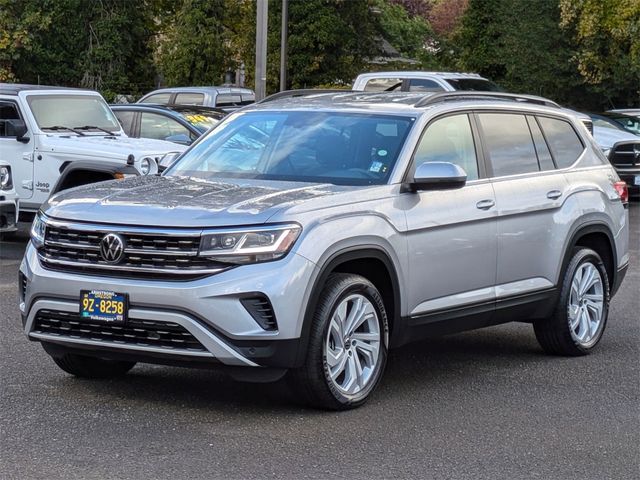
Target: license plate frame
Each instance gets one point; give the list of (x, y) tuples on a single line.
[(115, 311)]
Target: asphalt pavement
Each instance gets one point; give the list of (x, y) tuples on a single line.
[(487, 404)]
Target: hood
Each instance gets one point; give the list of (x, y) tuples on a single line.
[(110, 147), (181, 201), (606, 137)]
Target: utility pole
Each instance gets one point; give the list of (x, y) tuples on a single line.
[(262, 16), (283, 45)]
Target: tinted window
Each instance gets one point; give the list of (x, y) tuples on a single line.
[(160, 98), (383, 85), (544, 156), (424, 85), (305, 146), (125, 119), (228, 99), (563, 140), (449, 139), (476, 84), (160, 127), (8, 111), (189, 99), (509, 143)]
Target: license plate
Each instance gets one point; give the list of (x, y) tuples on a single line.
[(103, 306), (637, 180)]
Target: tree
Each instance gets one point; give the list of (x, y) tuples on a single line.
[(607, 33)]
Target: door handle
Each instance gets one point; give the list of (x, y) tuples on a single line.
[(554, 194), (485, 204)]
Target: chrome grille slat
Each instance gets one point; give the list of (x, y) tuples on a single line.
[(147, 253)]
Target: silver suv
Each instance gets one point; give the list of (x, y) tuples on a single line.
[(306, 236)]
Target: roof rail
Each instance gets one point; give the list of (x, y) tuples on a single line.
[(303, 92), (472, 95)]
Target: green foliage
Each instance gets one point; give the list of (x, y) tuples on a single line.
[(408, 34), (607, 33)]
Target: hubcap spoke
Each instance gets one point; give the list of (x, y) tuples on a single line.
[(352, 345)]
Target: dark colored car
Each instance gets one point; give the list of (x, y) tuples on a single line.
[(227, 98), (176, 123)]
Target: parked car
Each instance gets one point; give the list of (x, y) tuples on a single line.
[(625, 157), (607, 132), (176, 123), (423, 82), (56, 138), (227, 98), (8, 200), (306, 236), (626, 121)]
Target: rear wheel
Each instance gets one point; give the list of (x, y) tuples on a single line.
[(92, 367), (581, 314), (347, 346)]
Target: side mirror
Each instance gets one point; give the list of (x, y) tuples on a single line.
[(16, 128), (438, 176)]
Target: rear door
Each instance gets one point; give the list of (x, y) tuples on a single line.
[(530, 192)]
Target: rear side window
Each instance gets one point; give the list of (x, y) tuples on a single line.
[(544, 155), (449, 139), (190, 99), (563, 141), (424, 85), (509, 144), (160, 98), (383, 85), (228, 99)]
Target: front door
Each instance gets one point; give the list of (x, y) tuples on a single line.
[(19, 155), (451, 233)]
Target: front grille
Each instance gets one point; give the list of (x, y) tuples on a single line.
[(147, 254), (142, 333), (625, 154)]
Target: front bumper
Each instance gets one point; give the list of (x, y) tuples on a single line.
[(209, 309), (8, 215)]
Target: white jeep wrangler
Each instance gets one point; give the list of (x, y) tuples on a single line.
[(56, 138)]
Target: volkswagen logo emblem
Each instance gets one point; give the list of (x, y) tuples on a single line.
[(112, 248)]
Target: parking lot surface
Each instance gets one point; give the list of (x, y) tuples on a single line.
[(484, 404)]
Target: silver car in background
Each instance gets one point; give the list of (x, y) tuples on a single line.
[(306, 236)]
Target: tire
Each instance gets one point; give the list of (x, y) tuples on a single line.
[(568, 331), (342, 368), (92, 367)]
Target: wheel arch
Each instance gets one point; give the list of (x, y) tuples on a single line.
[(70, 171), (373, 263)]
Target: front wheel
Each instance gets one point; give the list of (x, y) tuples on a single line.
[(580, 317), (348, 345)]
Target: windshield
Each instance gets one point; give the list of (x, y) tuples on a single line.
[(72, 112), (475, 84), (335, 147), (202, 121)]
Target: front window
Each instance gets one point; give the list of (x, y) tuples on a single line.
[(339, 148), (474, 84), (59, 112)]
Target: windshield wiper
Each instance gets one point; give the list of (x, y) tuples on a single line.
[(62, 127), (93, 127)]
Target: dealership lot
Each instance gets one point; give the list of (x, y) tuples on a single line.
[(485, 404)]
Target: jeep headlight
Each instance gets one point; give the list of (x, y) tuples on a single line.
[(5, 178), (37, 230), (145, 165), (251, 245)]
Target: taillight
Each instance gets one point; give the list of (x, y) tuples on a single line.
[(623, 191)]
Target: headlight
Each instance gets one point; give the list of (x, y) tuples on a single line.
[(5, 178), (37, 231), (145, 165), (251, 245)]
